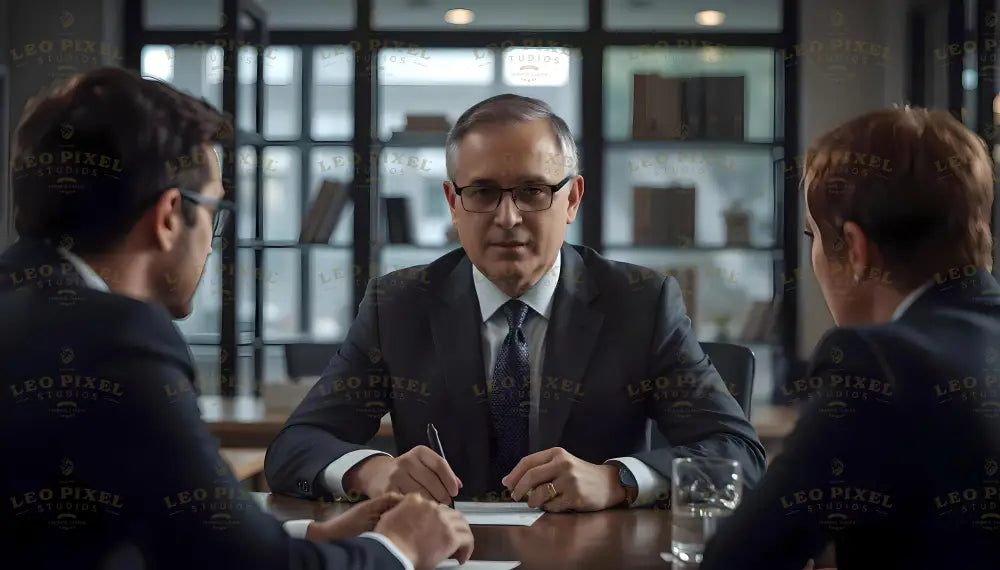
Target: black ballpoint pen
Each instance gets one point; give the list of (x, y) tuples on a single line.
[(435, 441)]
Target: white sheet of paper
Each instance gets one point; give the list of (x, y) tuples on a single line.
[(478, 565), (504, 514)]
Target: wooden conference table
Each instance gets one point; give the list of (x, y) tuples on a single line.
[(624, 539)]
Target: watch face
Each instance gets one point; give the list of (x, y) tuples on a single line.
[(625, 477)]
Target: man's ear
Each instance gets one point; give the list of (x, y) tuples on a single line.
[(575, 195), (165, 217), (859, 250), (451, 197)]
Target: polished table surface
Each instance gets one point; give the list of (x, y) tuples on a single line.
[(245, 421), (613, 539), (245, 463)]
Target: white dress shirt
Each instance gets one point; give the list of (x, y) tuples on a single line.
[(910, 299), (539, 297), (294, 528)]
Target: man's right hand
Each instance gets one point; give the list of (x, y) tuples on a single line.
[(427, 532), (419, 470)]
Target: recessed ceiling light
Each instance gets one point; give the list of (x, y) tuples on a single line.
[(459, 16), (709, 17)]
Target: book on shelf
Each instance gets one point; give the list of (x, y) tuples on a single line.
[(737, 226), (760, 318), (427, 124), (723, 108), (693, 106), (397, 219), (657, 107), (324, 212), (687, 279), (664, 216), (668, 108)]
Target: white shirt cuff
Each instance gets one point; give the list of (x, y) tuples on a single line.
[(407, 565), (334, 473), (651, 486), (297, 528)]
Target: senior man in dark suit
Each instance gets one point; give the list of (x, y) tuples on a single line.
[(107, 463), (538, 362), (895, 460)]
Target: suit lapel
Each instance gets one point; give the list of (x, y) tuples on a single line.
[(456, 328), (569, 342)]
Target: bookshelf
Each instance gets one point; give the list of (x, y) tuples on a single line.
[(336, 93)]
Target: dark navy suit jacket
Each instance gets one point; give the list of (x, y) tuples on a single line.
[(897, 456), (106, 462), (619, 349)]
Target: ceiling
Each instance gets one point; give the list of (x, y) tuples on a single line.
[(661, 15)]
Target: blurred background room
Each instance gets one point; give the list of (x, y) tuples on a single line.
[(691, 118)]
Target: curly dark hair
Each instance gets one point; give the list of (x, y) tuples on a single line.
[(90, 156)]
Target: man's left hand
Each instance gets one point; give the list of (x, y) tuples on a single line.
[(360, 518), (579, 486)]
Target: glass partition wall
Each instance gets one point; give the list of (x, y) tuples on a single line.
[(954, 51), (362, 93)]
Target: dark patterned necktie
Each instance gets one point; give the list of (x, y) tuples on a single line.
[(509, 398)]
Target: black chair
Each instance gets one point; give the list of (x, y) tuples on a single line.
[(308, 359), (736, 365)]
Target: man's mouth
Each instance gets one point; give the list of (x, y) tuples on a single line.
[(510, 244)]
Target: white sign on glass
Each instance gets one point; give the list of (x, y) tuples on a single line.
[(538, 67)]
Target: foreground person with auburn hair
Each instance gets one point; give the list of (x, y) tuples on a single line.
[(895, 459)]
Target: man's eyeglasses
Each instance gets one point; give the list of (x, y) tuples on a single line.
[(481, 199), (222, 209)]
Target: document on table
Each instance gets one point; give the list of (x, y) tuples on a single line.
[(505, 514), (478, 565)]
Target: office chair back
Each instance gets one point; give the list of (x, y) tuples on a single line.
[(308, 359), (736, 365)]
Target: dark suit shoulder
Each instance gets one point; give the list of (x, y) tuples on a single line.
[(95, 321), (614, 277), (840, 344), (418, 279), (148, 327), (905, 363)]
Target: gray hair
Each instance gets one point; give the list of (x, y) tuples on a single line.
[(506, 109)]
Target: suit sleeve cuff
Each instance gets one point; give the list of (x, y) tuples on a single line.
[(650, 485), (333, 475), (407, 565), (297, 528)]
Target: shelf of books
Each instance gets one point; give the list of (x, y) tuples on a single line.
[(690, 185), (689, 143)]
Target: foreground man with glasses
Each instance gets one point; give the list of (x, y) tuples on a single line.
[(537, 361), (107, 463)]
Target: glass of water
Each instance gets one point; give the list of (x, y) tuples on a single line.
[(704, 491)]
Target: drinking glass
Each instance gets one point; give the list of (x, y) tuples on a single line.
[(704, 491)]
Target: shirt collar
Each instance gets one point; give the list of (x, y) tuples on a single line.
[(910, 299), (89, 276), (538, 297)]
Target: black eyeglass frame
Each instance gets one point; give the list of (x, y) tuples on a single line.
[(552, 187), (221, 214)]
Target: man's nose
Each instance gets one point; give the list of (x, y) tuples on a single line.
[(507, 215)]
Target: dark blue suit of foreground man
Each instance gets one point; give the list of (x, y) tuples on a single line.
[(107, 463), (897, 458)]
